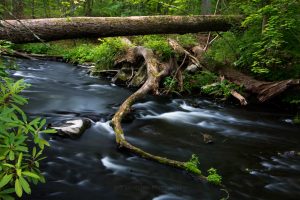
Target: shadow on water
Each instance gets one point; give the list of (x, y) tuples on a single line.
[(251, 148)]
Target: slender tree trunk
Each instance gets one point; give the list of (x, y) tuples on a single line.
[(83, 27), (265, 17), (4, 13), (18, 8), (45, 5), (206, 7), (72, 8), (32, 9), (88, 8)]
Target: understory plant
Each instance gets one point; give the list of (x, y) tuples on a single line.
[(214, 177), (21, 147), (193, 166), (204, 82), (267, 43)]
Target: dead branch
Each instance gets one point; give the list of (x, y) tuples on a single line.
[(239, 97)]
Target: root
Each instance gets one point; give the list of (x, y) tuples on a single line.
[(155, 72)]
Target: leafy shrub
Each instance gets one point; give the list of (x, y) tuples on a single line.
[(170, 84), (214, 177), (21, 148), (158, 43), (37, 48), (225, 49), (80, 54), (268, 45), (197, 81), (105, 54), (186, 40), (221, 89)]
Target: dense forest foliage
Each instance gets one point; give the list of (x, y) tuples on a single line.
[(266, 46)]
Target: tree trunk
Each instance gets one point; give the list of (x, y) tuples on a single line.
[(46, 5), (32, 9), (82, 27), (88, 8), (205, 7), (18, 9), (4, 13), (263, 89)]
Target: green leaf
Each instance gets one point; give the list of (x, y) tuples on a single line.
[(24, 117), (25, 185), (35, 122), (18, 188), (19, 172), (19, 160), (49, 131), (30, 174), (8, 165), (11, 155), (42, 179), (8, 191), (42, 123), (7, 197), (6, 178)]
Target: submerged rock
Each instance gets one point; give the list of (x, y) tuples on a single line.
[(208, 139), (73, 128)]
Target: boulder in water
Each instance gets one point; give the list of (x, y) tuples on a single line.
[(73, 128)]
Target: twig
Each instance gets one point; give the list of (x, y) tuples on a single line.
[(209, 34), (177, 70)]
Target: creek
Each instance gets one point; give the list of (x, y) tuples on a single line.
[(251, 148)]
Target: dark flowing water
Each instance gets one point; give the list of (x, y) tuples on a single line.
[(250, 149)]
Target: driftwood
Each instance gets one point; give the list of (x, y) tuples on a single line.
[(155, 72)]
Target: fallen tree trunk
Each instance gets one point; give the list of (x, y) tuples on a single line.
[(263, 89), (34, 30)]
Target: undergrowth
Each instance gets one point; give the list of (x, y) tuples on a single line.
[(204, 82)]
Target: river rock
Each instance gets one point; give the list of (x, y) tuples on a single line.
[(73, 128)]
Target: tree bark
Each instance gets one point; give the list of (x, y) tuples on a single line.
[(81, 27)]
